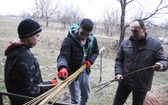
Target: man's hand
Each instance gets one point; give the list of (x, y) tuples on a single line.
[(63, 73), (88, 63), (158, 66), (118, 77)]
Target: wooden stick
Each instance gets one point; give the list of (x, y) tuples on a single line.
[(102, 49), (109, 82)]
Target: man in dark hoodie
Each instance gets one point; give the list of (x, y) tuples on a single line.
[(79, 47), (22, 72)]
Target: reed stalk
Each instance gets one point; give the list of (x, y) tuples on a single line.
[(44, 98)]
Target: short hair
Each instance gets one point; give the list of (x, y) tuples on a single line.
[(87, 24), (141, 22)]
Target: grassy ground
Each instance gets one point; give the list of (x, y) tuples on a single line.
[(48, 49)]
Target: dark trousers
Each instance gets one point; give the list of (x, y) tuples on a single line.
[(122, 94)]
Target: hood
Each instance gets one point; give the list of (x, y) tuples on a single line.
[(73, 32), (13, 44)]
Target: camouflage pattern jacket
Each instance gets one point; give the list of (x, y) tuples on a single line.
[(22, 73)]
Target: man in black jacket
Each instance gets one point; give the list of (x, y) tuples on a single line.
[(79, 47), (137, 52), (22, 71)]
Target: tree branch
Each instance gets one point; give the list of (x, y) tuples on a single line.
[(159, 8)]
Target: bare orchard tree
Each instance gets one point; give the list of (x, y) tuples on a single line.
[(70, 15), (45, 9), (123, 4), (25, 14), (161, 6), (165, 24), (110, 20), (140, 14)]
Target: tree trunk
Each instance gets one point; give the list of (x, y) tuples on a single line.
[(47, 22), (122, 22)]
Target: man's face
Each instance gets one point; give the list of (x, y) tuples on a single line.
[(83, 34), (137, 32)]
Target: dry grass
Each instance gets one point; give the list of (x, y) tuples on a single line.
[(48, 49)]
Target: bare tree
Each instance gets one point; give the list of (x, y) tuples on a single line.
[(140, 14), (165, 24), (162, 5), (110, 20), (45, 9), (70, 15), (25, 14), (123, 4)]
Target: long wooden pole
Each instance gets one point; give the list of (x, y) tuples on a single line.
[(109, 82), (47, 96)]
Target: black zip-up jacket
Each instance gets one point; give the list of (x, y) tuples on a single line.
[(129, 59), (22, 73), (72, 52)]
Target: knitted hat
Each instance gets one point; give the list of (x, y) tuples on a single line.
[(87, 24), (28, 27)]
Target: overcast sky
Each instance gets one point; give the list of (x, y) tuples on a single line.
[(91, 8)]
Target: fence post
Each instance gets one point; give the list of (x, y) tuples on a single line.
[(101, 65)]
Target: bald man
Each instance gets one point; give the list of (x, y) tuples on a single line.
[(138, 51)]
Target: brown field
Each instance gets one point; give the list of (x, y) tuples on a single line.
[(48, 49)]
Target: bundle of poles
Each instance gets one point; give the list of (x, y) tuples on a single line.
[(54, 93)]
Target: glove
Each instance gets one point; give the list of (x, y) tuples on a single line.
[(54, 81), (158, 66), (88, 63), (63, 73), (118, 77)]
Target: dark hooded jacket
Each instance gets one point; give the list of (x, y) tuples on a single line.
[(129, 59), (22, 73), (73, 53)]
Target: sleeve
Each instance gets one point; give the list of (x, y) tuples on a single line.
[(160, 56), (119, 61), (46, 88), (28, 76), (94, 51), (65, 53)]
